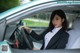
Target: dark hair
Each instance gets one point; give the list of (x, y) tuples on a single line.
[(62, 15)]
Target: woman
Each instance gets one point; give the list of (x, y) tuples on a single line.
[(55, 37)]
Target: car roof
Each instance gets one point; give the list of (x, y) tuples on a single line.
[(31, 4), (18, 8)]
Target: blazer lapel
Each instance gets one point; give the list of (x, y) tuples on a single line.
[(54, 38)]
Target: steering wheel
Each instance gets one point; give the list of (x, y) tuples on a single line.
[(26, 38)]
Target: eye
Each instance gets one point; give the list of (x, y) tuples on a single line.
[(57, 18)]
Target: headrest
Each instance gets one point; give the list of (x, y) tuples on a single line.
[(76, 24)]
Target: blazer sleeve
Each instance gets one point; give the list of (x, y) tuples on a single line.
[(63, 41), (38, 36)]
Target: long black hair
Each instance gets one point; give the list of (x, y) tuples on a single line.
[(60, 13)]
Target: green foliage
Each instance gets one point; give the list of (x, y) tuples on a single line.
[(30, 23), (8, 4)]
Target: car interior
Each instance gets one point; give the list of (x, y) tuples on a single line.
[(73, 31), (74, 38), (14, 28)]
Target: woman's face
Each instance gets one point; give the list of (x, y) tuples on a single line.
[(57, 21)]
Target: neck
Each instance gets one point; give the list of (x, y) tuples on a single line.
[(58, 27)]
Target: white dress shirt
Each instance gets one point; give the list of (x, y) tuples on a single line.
[(49, 35)]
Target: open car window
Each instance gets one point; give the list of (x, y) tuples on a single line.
[(38, 22)]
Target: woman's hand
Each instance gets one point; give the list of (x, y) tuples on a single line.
[(35, 48), (27, 28)]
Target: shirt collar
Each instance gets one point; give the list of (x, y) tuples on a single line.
[(56, 29)]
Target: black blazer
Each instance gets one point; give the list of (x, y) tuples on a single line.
[(58, 41)]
